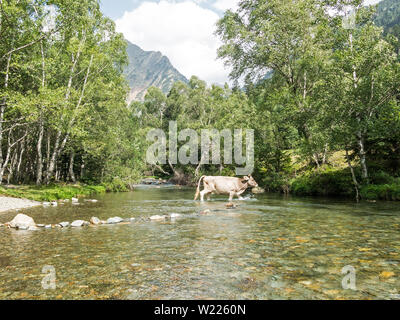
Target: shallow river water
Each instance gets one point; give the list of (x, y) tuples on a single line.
[(269, 247)]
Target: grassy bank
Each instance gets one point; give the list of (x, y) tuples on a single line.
[(52, 192), (338, 182)]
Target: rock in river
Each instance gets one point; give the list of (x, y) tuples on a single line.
[(175, 215), (114, 220), (95, 220), (64, 224), (155, 218), (230, 205), (79, 223), (22, 221)]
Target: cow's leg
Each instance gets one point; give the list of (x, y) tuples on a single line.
[(202, 194), (209, 196), (231, 194)]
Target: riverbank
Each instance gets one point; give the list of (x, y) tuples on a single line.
[(48, 193), (337, 182)]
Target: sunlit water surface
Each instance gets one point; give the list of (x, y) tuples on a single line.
[(269, 247)]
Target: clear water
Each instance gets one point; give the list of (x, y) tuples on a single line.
[(269, 247)]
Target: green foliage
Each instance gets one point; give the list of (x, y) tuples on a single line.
[(382, 192), (52, 192), (327, 182)]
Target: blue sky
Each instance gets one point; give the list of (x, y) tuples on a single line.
[(183, 30)]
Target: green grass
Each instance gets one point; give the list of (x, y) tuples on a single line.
[(52, 192)]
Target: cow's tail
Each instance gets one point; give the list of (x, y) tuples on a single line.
[(198, 188)]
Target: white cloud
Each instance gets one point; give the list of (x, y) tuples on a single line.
[(182, 31), (224, 5)]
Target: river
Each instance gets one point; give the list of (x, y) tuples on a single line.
[(269, 247)]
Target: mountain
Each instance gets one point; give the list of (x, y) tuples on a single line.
[(149, 68), (388, 16)]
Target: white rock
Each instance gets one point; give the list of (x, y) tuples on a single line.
[(48, 226), (114, 220), (54, 204), (78, 223), (75, 200), (175, 215), (95, 220), (64, 224), (157, 218), (46, 204), (33, 228), (22, 221), (133, 219)]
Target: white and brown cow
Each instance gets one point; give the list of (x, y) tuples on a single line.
[(224, 185)]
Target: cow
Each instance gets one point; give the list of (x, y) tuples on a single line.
[(224, 185)]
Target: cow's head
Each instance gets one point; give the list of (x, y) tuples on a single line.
[(250, 181)]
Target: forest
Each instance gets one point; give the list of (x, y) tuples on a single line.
[(321, 95)]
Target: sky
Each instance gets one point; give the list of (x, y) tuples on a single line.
[(183, 30)]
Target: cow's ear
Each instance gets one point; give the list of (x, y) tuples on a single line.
[(246, 178)]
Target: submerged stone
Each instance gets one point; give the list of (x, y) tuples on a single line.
[(205, 212)]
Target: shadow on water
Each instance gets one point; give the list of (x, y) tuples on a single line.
[(269, 247)]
